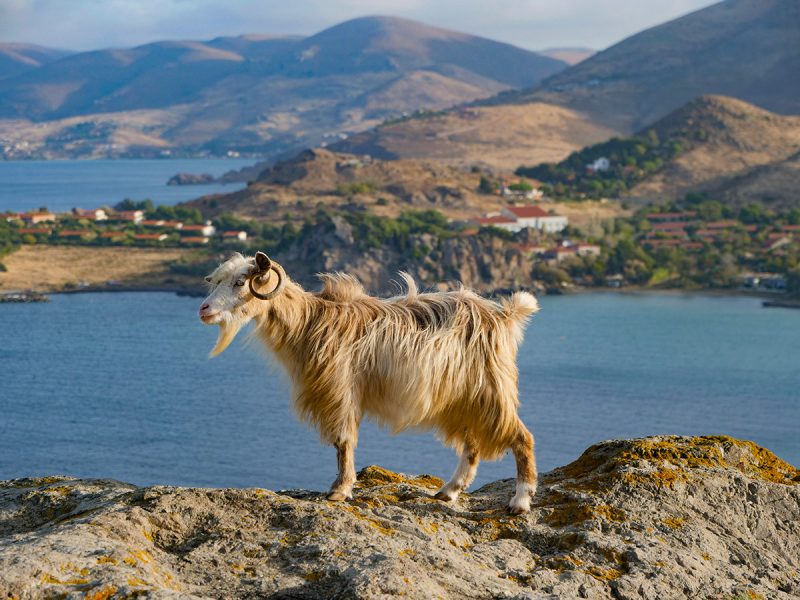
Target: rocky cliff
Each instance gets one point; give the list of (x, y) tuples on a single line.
[(482, 262), (659, 517)]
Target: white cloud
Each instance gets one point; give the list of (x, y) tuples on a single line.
[(535, 24)]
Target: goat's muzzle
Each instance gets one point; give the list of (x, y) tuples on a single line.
[(261, 278)]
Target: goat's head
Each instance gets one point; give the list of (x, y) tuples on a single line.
[(235, 286)]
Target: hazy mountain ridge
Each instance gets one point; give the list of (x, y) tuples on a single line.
[(16, 59), (261, 93), (748, 49)]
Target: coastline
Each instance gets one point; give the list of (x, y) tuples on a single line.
[(199, 292)]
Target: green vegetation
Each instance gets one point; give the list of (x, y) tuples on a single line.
[(630, 160), (358, 187), (520, 186), (371, 231), (694, 256)]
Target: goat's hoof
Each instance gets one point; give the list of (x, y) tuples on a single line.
[(444, 496), (338, 497), (518, 510)]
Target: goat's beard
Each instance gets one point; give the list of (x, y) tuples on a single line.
[(228, 328)]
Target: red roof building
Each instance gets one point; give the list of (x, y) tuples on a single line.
[(527, 212)]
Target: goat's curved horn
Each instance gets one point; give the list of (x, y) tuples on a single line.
[(269, 295)]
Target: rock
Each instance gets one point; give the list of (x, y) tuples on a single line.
[(669, 517), (190, 179)]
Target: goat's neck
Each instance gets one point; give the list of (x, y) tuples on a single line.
[(281, 321)]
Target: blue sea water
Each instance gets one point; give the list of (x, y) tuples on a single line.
[(62, 185), (119, 385)]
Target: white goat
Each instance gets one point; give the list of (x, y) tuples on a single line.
[(444, 361)]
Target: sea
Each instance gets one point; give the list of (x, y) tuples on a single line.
[(61, 185), (119, 385)]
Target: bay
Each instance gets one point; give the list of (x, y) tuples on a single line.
[(119, 385), (61, 185)]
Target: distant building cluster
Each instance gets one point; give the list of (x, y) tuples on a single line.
[(684, 230), (117, 227), (517, 218)]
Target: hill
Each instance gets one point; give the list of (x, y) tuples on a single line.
[(256, 93), (704, 146), (16, 59), (500, 137), (657, 517), (747, 49), (321, 178)]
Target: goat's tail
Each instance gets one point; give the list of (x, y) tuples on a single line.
[(520, 307)]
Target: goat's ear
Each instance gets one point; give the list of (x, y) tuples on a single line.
[(262, 262)]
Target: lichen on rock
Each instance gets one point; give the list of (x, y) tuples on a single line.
[(663, 517)]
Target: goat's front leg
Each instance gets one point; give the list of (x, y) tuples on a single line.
[(342, 488)]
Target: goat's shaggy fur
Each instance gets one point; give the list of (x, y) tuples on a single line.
[(444, 361)]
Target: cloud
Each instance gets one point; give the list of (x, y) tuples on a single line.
[(534, 24)]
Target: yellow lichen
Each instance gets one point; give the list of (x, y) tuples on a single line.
[(47, 578), (428, 527), (573, 512), (314, 575), (675, 522), (603, 574), (104, 593), (674, 459), (374, 523), (373, 475), (136, 582), (106, 559), (408, 552)]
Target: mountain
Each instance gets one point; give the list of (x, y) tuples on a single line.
[(16, 59), (571, 56), (747, 49), (718, 145), (258, 93), (500, 137)]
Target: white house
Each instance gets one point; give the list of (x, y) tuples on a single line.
[(94, 214), (534, 217), (206, 230), (234, 236), (601, 164)]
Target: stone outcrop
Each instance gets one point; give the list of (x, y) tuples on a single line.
[(190, 179), (659, 517)]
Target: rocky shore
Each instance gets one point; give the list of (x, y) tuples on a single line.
[(659, 517)]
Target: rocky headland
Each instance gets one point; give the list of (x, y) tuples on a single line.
[(658, 517)]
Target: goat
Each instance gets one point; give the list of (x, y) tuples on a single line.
[(444, 361)]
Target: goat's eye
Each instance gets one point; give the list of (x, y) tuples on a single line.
[(238, 283), (208, 278)]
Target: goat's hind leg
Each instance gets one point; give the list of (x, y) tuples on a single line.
[(522, 447), (342, 488), (463, 476)]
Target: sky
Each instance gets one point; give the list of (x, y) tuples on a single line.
[(531, 24)]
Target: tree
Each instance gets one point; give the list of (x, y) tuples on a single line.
[(487, 186)]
